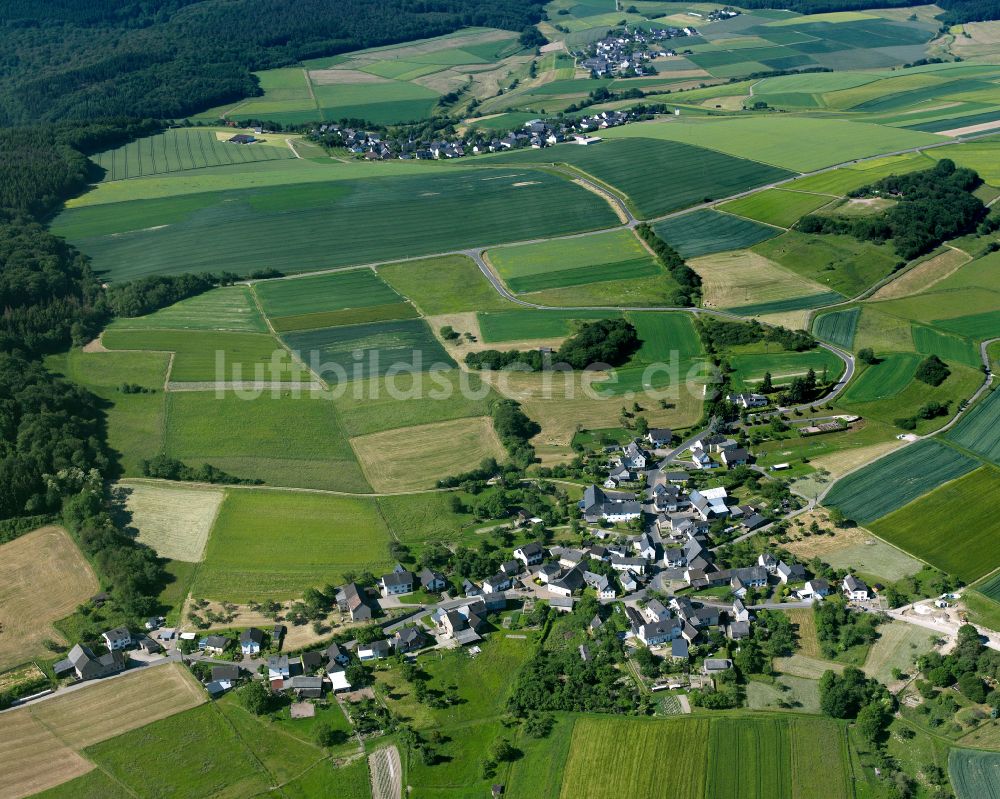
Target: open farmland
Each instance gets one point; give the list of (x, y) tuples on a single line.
[(776, 206), (449, 284), (34, 758), (762, 762), (309, 226), (783, 366), (337, 298), (746, 281), (173, 520), (897, 479), (954, 527), (820, 762), (646, 755), (416, 457), (706, 231), (974, 774), (279, 438), (408, 345), (657, 176), (801, 144), (252, 554), (246, 357), (180, 149), (898, 646), (888, 377), (838, 327), (991, 588), (570, 262), (43, 577), (523, 324), (948, 346), (229, 308)]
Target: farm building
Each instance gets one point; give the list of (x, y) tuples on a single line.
[(242, 138)]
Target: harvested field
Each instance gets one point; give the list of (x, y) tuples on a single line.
[(805, 620), (43, 577), (34, 758), (416, 457), (173, 520), (141, 697), (898, 646), (923, 276), (744, 278)]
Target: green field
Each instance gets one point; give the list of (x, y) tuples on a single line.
[(135, 421), (991, 588), (408, 344), (706, 231), (309, 226), (974, 775), (280, 439), (180, 149), (352, 297), (449, 284), (664, 335), (274, 545), (979, 326), (841, 263), (783, 366), (897, 479), (954, 527), (796, 143), (199, 355), (749, 757), (525, 325), (776, 206), (230, 308), (381, 103), (575, 261), (930, 340), (888, 377), (657, 176), (979, 430), (838, 327)]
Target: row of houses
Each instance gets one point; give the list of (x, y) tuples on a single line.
[(630, 51)]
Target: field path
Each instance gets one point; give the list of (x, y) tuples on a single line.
[(291, 489)]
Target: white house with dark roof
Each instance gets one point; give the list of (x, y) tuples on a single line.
[(816, 588), (659, 632), (598, 504), (496, 583), (431, 580), (398, 581), (659, 436), (118, 638), (530, 554), (793, 573), (855, 590), (251, 641)]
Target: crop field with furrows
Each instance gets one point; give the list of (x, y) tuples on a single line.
[(251, 556), (417, 457), (979, 326), (776, 206), (979, 430), (664, 335), (783, 366), (889, 376), (743, 278), (706, 231), (974, 774), (796, 143), (991, 588), (306, 227), (595, 770), (43, 577), (280, 439), (350, 316), (570, 262), (838, 263), (523, 325), (820, 762), (950, 347), (181, 149), (334, 352), (896, 480), (657, 176), (838, 182), (335, 291), (173, 520), (749, 757), (838, 327), (198, 354), (230, 308)]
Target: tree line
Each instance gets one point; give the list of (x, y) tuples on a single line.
[(605, 341)]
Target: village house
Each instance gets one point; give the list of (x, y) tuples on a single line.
[(409, 639), (311, 662), (511, 567), (710, 503), (85, 665), (598, 505), (569, 583), (306, 687), (432, 580), (227, 672), (855, 589), (628, 581), (655, 610), (768, 561), (816, 588), (530, 554), (376, 650), (748, 400), (601, 584), (659, 632), (496, 583), (214, 644), (794, 573), (278, 668), (337, 676), (337, 655), (354, 600), (735, 457), (633, 456), (659, 436), (118, 638), (398, 581), (251, 641), (713, 666)]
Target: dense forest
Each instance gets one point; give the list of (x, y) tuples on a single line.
[(166, 58), (933, 205)]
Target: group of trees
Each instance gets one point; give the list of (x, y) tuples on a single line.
[(607, 342), (167, 58), (718, 334), (839, 628), (842, 696), (167, 468), (934, 205), (970, 667), (689, 281)]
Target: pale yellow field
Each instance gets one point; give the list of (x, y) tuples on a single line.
[(978, 39), (33, 758), (43, 577), (174, 521), (38, 742), (841, 462), (417, 457), (881, 332), (793, 320), (81, 718), (563, 409), (805, 618), (741, 277), (923, 276)]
